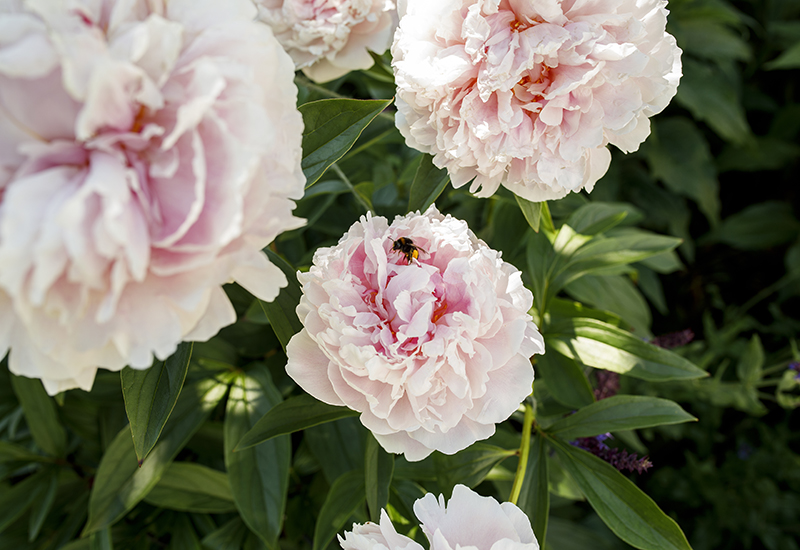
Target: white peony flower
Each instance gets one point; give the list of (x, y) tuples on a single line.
[(468, 522), (329, 38), (148, 152), (528, 94), (433, 350)]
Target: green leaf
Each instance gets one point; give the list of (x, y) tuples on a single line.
[(679, 155), (11, 452), (707, 92), (331, 127), (294, 414), (338, 446), (40, 413), (151, 394), (468, 467), (597, 217), (281, 311), (534, 498), (259, 476), (605, 254), (789, 59), (190, 487), (617, 294), (101, 540), (631, 514), (532, 211), (182, 535), (603, 346), (14, 500), (42, 504), (344, 498), (378, 470), (120, 483), (428, 184), (564, 378), (757, 227), (751, 363), (621, 412), (710, 38), (230, 536)]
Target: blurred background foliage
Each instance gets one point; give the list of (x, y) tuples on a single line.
[(720, 171)]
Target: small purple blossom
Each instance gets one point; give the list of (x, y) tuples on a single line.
[(795, 366), (619, 458), (607, 384), (673, 339)]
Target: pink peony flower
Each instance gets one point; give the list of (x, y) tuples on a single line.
[(468, 520), (528, 94), (432, 351), (148, 152), (329, 38)]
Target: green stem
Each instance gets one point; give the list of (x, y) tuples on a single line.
[(524, 451), (355, 193)]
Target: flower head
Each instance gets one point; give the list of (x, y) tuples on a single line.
[(148, 152), (433, 350), (329, 38), (467, 520), (528, 94)]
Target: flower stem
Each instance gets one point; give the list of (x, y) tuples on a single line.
[(524, 451), (355, 193)]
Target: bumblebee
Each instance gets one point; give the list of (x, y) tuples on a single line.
[(407, 248)]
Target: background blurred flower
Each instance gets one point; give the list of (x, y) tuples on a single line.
[(329, 38), (433, 351), (148, 152), (528, 94), (467, 520)]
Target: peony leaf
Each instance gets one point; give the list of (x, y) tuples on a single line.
[(11, 452), (41, 415), (429, 182), (294, 414), (751, 363), (151, 394), (597, 217), (564, 377), (617, 294), (620, 412), (101, 540), (182, 534), (628, 512), (281, 311), (345, 496), (191, 487), (603, 346), (259, 476), (331, 127), (789, 59), (608, 254), (757, 227), (43, 503), (710, 94), (378, 470), (15, 500), (338, 446), (679, 155), (120, 483), (468, 467), (534, 498), (532, 211), (229, 536)]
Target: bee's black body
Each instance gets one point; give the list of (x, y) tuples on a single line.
[(407, 248)]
